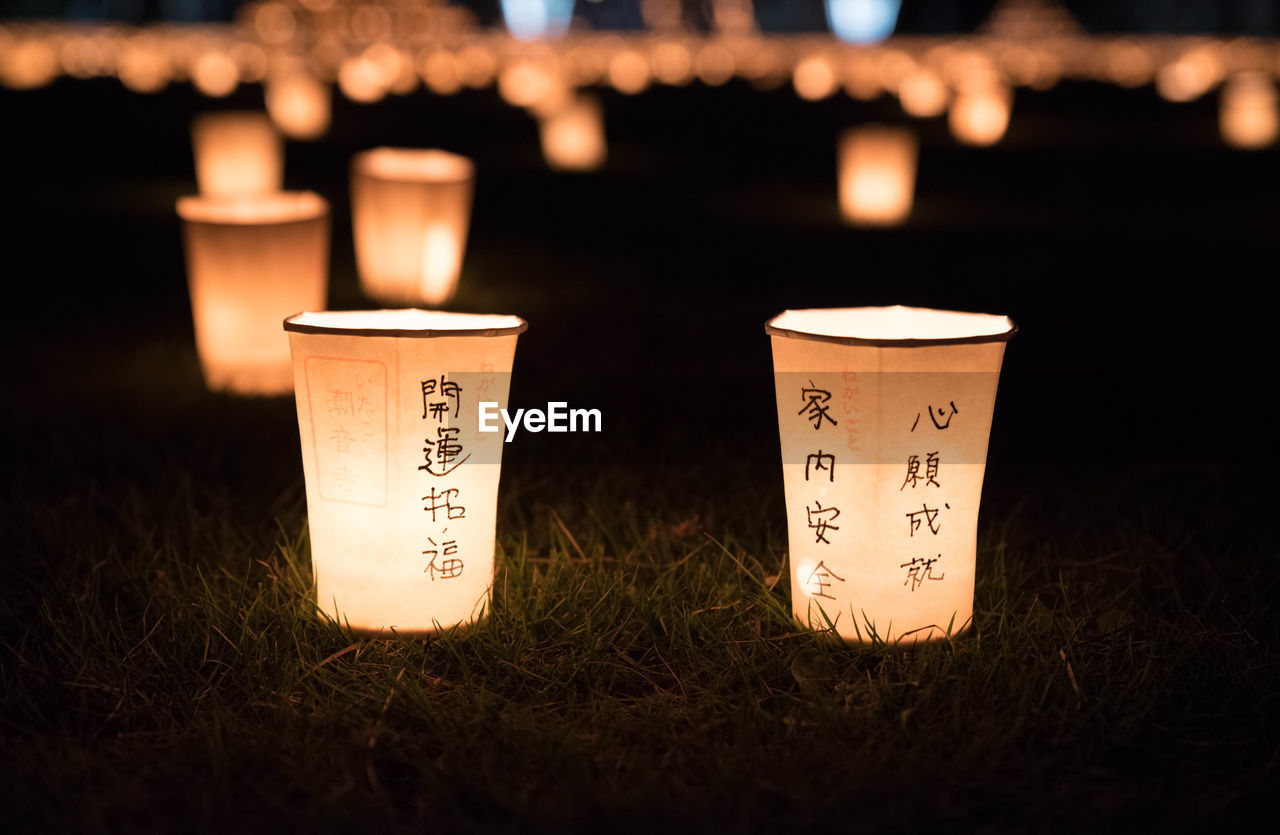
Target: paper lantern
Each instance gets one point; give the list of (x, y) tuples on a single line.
[(573, 138), (410, 210), (877, 175), (923, 93), (401, 485), (250, 262), (979, 114), (532, 19), (238, 153), (862, 21), (884, 415), (1248, 117), (299, 104)]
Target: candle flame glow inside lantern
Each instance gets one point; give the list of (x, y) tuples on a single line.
[(402, 486), (862, 21), (252, 261), (237, 154), (573, 138), (299, 105), (884, 415), (1248, 117), (979, 114), (532, 19), (410, 210), (877, 175)]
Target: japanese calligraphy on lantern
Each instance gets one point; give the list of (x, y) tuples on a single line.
[(348, 400), (444, 451), (884, 415)]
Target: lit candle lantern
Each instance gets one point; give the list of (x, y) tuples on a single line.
[(573, 138), (402, 484), (877, 175), (979, 114), (250, 262), (237, 154), (299, 104), (410, 210), (884, 416), (1248, 117)]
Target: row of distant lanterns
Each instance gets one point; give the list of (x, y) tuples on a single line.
[(297, 49)]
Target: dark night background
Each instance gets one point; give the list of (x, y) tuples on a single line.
[(1134, 249)]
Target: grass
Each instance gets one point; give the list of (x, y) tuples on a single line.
[(164, 668)]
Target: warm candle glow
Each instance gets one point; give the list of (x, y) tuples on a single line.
[(573, 138), (884, 416), (979, 114), (923, 93), (1248, 117), (250, 262), (411, 209), (401, 485), (299, 105), (237, 153), (877, 175)]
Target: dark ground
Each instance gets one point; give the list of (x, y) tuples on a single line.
[(1128, 523)]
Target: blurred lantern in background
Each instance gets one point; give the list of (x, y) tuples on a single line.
[(532, 19), (27, 63), (298, 104), (215, 74), (573, 137), (410, 211), (815, 77), (142, 65), (862, 21), (1193, 74), (251, 261), (923, 93), (884, 416), (237, 153), (402, 486), (877, 175), (1248, 117), (979, 113)]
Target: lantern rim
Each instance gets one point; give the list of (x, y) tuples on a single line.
[(274, 208), (982, 334), (413, 165), (293, 325)]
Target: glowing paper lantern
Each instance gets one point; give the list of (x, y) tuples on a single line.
[(237, 154), (298, 104), (884, 415), (573, 138), (250, 262), (410, 210), (1248, 117), (402, 486), (532, 19), (862, 21), (877, 175), (979, 114)]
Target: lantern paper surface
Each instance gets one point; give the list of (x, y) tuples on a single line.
[(884, 416), (401, 485), (237, 154), (410, 210), (251, 262), (877, 175), (573, 137)]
